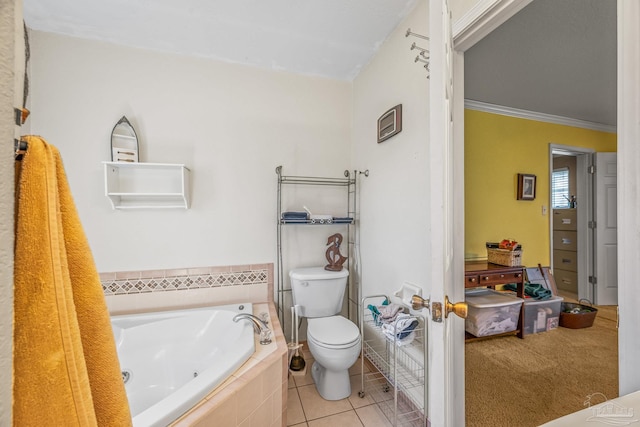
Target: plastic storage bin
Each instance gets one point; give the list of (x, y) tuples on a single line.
[(541, 316), (491, 312)]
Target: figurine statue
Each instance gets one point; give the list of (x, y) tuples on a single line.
[(333, 253)]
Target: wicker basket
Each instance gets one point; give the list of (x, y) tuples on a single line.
[(582, 319), (504, 257)]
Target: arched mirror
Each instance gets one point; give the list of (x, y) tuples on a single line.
[(124, 142)]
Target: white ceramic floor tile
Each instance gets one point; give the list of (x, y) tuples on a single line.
[(344, 419), (291, 383), (295, 414), (372, 416), (314, 406), (356, 389)]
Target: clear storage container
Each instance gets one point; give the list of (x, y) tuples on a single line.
[(491, 312), (541, 316)]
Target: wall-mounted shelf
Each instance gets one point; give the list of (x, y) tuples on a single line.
[(146, 185)]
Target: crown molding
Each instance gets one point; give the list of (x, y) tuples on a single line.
[(533, 115), (484, 17)]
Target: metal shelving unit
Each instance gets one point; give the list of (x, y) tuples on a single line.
[(395, 379), (349, 185)]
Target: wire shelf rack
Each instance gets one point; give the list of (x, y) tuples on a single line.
[(396, 373)]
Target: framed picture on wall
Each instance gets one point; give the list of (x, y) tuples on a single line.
[(526, 186)]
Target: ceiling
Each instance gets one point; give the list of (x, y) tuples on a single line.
[(555, 56), (331, 38)]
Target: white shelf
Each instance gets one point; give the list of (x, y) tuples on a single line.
[(135, 185)]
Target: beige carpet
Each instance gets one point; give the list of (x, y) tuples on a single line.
[(526, 382)]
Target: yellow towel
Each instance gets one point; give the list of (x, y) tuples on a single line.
[(65, 366)]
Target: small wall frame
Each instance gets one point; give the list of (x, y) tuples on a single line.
[(390, 123), (526, 186)]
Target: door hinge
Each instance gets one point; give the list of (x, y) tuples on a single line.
[(593, 280), (592, 169), (592, 224)]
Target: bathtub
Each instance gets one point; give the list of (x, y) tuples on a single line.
[(170, 360)]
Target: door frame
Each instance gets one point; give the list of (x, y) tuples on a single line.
[(628, 197), (584, 193), (485, 16), (479, 21)]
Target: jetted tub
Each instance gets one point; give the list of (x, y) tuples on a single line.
[(171, 360)]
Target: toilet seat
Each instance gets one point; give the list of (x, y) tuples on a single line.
[(334, 332)]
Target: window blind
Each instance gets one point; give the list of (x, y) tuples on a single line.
[(560, 188)]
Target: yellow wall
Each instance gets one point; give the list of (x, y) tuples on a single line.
[(497, 148)]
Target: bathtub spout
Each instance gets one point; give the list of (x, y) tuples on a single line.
[(259, 326)]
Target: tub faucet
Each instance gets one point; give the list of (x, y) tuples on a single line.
[(259, 326)]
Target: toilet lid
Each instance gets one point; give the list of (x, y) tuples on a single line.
[(333, 331)]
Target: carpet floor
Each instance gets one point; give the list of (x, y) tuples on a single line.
[(516, 382)]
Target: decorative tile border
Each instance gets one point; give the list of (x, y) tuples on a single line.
[(136, 282)]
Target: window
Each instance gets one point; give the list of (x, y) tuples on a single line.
[(560, 188)]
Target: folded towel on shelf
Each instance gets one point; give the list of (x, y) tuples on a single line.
[(342, 220), (375, 313), (294, 217), (401, 327), (400, 342), (389, 312)]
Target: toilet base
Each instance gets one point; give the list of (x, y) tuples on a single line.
[(331, 385)]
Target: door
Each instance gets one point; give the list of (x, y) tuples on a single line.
[(605, 275), (445, 359)]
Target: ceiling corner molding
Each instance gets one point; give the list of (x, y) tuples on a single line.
[(540, 117), (484, 17)]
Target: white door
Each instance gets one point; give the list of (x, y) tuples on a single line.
[(606, 239), (446, 336)]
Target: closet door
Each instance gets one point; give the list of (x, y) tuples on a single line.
[(606, 250)]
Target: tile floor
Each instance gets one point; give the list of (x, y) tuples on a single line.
[(305, 407)]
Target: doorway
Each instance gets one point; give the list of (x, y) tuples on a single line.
[(471, 28), (581, 289), (583, 226), (571, 238)]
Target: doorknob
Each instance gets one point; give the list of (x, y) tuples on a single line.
[(458, 308), (418, 303)]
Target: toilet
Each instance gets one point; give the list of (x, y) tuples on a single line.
[(333, 340)]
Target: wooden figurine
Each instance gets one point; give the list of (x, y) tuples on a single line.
[(333, 253)]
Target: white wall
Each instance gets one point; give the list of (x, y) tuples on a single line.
[(394, 198), (10, 16), (230, 124)]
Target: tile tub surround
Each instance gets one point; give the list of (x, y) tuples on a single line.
[(153, 290), (256, 394)]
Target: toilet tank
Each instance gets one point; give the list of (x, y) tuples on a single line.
[(318, 292)]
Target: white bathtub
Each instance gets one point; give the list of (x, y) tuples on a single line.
[(173, 359)]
